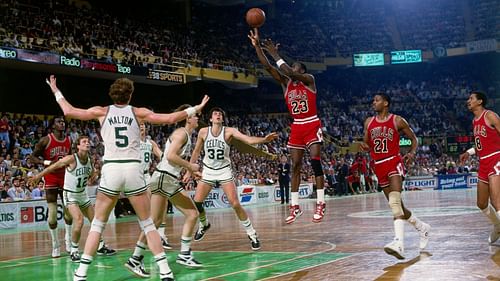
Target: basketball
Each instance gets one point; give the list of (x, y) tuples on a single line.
[(255, 17)]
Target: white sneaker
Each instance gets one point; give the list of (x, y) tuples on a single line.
[(56, 252), (494, 234), (395, 248), (424, 235)]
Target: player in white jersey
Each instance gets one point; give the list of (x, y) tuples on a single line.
[(149, 148), (79, 171), (217, 170), (165, 185), (121, 171)]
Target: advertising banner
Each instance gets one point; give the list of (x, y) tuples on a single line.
[(305, 190), (416, 183), (8, 215), (452, 181)]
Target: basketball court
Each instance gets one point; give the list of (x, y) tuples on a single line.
[(347, 245)]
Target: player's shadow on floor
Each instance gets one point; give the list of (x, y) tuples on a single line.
[(394, 272), (496, 259)]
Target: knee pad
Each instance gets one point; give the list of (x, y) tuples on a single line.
[(97, 226), (147, 225), (395, 204), (199, 206), (316, 166)]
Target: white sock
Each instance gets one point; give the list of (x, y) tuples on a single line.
[(491, 214), (399, 230), (67, 234), (247, 224), (85, 262), (320, 195), (161, 261), (101, 244), (53, 234), (185, 244), (139, 248), (413, 220), (295, 198), (161, 230), (74, 247)]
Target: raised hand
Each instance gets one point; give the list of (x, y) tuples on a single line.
[(271, 47), (52, 83), (254, 37), (200, 106)]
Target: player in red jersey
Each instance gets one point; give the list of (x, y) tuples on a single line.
[(47, 151), (486, 126), (381, 138), (299, 90)]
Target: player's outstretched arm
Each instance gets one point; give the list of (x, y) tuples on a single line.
[(255, 39), (71, 111), (178, 139), (234, 133), (170, 118), (272, 49), (66, 161)]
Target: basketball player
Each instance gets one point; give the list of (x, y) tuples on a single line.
[(217, 170), (49, 150), (79, 171), (149, 148), (164, 186), (299, 90), (381, 138), (121, 171), (486, 126)]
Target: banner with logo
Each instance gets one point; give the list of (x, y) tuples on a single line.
[(31, 213), (452, 181), (246, 194), (487, 45), (216, 198), (417, 183), (8, 215), (305, 190), (472, 180)]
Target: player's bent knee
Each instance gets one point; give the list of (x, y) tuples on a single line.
[(147, 225), (316, 166), (395, 204), (97, 226), (199, 207)]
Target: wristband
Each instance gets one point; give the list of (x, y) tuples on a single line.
[(190, 111), (58, 95), (280, 62), (471, 151), (46, 162)]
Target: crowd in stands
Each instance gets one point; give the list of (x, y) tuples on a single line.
[(210, 38)]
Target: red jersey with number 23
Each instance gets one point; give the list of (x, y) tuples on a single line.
[(54, 151), (301, 101), (383, 138)]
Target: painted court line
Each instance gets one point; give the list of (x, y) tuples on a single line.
[(332, 247)]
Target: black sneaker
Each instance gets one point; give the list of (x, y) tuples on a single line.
[(136, 266), (165, 244), (188, 260), (105, 251), (255, 241), (201, 232), (75, 257)]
